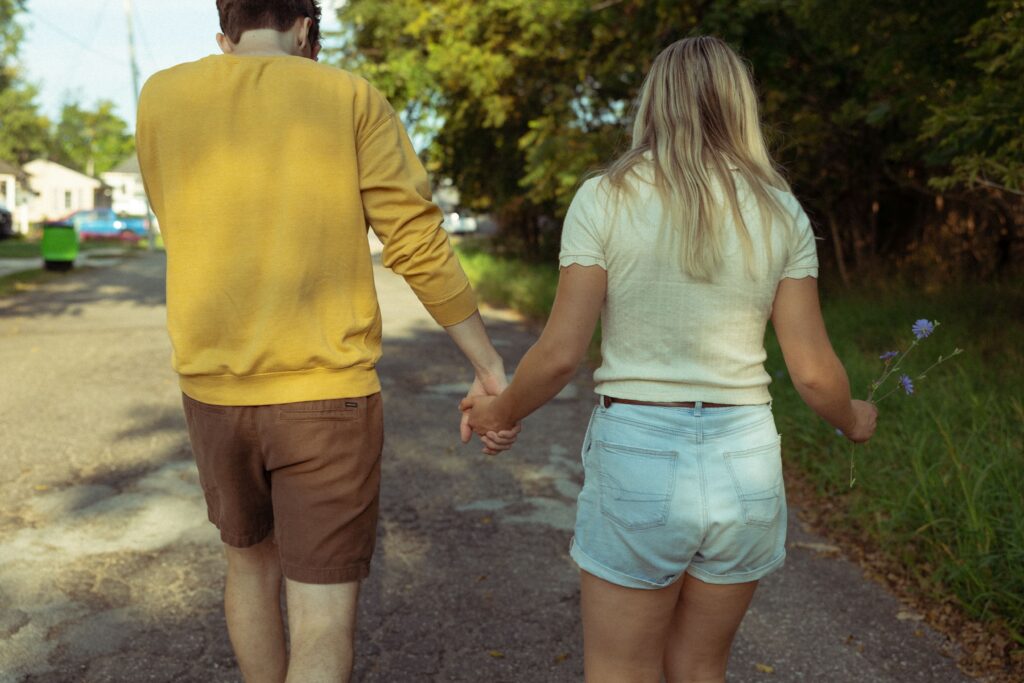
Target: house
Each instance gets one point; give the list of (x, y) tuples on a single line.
[(128, 195), (15, 194), (58, 190)]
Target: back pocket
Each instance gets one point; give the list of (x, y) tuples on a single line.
[(636, 484), (757, 475)]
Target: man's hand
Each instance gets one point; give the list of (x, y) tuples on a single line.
[(487, 387)]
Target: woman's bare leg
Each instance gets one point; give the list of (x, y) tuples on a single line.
[(624, 630), (705, 622)]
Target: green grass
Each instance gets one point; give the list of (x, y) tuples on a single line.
[(16, 248), (527, 287), (940, 488), (16, 282)]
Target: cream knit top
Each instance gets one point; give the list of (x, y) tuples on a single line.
[(665, 336)]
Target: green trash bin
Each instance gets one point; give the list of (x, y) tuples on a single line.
[(59, 246)]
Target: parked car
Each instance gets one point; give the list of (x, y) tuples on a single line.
[(106, 224), (460, 221), (6, 223)]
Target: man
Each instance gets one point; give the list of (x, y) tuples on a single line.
[(265, 170)]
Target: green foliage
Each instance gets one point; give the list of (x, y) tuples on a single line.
[(506, 281), (938, 488), (873, 108), (24, 132), (91, 140), (981, 130)]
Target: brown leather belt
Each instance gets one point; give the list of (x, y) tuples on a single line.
[(607, 401)]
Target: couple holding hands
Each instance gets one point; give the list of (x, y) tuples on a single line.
[(266, 170)]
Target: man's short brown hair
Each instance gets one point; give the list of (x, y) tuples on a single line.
[(239, 16)]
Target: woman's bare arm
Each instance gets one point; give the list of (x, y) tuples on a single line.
[(817, 373), (551, 362)]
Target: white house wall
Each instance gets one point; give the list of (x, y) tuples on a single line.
[(59, 190)]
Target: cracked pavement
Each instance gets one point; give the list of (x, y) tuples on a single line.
[(109, 570)]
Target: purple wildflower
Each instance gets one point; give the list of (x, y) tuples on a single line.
[(922, 328), (889, 355), (908, 385)]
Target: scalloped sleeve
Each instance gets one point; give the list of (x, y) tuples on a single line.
[(582, 237), (803, 253)]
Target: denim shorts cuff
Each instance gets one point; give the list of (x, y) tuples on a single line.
[(737, 577), (592, 566)]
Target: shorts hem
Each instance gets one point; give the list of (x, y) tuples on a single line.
[(242, 540), (738, 577), (326, 575), (592, 566)]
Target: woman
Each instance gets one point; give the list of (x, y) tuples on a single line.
[(686, 246)]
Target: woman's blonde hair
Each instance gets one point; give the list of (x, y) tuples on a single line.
[(697, 120)]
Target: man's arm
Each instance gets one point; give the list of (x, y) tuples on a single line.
[(471, 338), (397, 203)]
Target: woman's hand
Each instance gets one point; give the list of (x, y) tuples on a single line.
[(496, 431), (865, 420)]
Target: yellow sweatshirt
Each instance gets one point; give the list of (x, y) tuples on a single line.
[(265, 173)]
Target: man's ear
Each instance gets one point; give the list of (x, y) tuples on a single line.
[(305, 24), (226, 46)]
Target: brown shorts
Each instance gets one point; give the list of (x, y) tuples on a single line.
[(308, 472)]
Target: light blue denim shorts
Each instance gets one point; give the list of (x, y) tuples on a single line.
[(669, 490)]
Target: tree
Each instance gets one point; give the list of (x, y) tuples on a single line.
[(868, 105), (23, 131), (91, 140), (980, 131)]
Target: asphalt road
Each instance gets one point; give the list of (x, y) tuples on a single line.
[(110, 572)]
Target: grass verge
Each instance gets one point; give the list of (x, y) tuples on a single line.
[(938, 492), (27, 280)]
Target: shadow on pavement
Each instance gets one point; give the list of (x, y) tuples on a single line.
[(131, 282)]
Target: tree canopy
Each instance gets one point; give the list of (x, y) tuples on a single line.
[(90, 140), (898, 121), (93, 141)]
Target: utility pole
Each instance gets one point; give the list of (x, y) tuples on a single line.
[(135, 91)]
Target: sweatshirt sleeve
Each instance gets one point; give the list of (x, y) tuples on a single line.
[(396, 201)]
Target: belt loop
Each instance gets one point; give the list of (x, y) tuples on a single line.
[(697, 405)]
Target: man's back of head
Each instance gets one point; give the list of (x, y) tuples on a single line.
[(238, 17)]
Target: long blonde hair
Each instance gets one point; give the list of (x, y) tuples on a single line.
[(697, 121)]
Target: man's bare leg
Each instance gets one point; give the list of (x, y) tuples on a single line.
[(252, 605), (322, 626)]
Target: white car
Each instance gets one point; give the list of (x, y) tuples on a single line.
[(457, 223)]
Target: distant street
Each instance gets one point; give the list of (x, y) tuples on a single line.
[(109, 570)]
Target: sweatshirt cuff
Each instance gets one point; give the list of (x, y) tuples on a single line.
[(454, 310)]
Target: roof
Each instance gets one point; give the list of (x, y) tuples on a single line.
[(7, 168), (129, 165)]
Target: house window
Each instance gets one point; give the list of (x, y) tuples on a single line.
[(3, 190), (67, 199)]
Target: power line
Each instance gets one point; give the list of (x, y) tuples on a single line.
[(142, 35), (77, 61), (78, 41)]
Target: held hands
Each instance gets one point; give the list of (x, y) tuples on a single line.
[(494, 436)]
